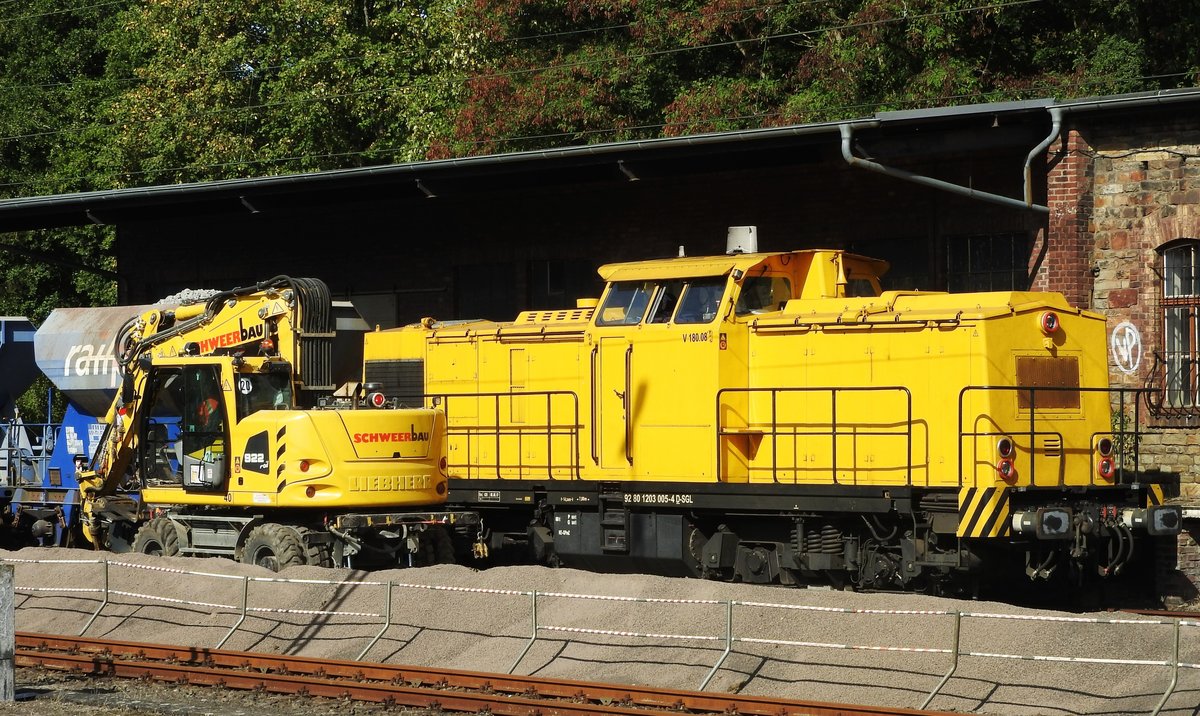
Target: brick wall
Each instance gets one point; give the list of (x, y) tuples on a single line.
[(1145, 193), (1062, 264)]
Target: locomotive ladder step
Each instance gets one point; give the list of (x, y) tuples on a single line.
[(614, 520)]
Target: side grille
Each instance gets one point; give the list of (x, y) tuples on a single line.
[(402, 379)]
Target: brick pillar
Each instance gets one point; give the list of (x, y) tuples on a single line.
[(1065, 265)]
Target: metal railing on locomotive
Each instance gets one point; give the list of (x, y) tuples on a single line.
[(778, 432), (1128, 440), (504, 438), (477, 421)]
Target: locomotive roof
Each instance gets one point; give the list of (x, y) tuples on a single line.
[(689, 266)]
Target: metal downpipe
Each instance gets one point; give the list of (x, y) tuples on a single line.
[(847, 133), (1056, 114)]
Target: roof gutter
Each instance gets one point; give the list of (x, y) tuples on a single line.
[(847, 132)]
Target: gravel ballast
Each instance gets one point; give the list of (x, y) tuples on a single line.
[(636, 629)]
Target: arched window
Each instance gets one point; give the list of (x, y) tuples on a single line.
[(1180, 307)]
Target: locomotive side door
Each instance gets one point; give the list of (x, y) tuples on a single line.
[(654, 374), (612, 447)]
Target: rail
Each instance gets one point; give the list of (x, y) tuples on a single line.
[(500, 446), (1126, 441), (790, 428), (433, 689), (723, 624)]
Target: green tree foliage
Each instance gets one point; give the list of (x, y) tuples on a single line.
[(53, 75), (233, 88), (560, 71)]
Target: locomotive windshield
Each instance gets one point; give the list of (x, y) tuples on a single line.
[(687, 301)]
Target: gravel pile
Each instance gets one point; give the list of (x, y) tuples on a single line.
[(460, 618), (186, 297)]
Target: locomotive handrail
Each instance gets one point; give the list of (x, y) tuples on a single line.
[(1129, 441), (833, 433), (594, 430), (627, 398), (549, 430)]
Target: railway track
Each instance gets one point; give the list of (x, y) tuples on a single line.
[(409, 686)]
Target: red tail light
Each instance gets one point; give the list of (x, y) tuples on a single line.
[(310, 491), (1005, 447), (1105, 446), (304, 465), (377, 400)]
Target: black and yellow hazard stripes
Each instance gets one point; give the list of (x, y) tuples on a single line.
[(983, 512), (1154, 495)]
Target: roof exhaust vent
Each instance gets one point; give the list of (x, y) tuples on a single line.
[(742, 240)]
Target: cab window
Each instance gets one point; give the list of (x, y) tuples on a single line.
[(701, 300), (263, 391), (664, 304), (763, 293), (625, 303)]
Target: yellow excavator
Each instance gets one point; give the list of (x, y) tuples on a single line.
[(227, 437)]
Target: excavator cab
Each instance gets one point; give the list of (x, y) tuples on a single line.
[(186, 431)]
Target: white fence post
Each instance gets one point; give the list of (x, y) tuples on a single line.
[(8, 633)]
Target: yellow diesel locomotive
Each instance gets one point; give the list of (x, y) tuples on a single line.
[(778, 418)]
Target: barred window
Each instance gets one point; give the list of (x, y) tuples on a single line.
[(987, 262), (1180, 304)]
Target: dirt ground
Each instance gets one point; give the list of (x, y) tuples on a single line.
[(892, 649)]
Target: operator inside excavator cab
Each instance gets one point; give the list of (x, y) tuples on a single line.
[(204, 461)]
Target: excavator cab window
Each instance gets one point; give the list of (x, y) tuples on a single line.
[(161, 457), (263, 391), (204, 441)]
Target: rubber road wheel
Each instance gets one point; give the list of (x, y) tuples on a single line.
[(436, 547), (157, 537), (275, 547)]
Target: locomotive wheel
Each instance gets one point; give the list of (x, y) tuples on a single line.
[(275, 547), (157, 537)]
